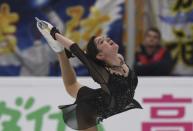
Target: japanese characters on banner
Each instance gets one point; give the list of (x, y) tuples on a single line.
[(23, 50), (175, 20), (176, 111), (32, 104)]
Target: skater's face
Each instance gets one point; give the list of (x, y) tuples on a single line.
[(106, 47)]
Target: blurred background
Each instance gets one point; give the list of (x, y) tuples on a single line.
[(24, 52), (154, 36)]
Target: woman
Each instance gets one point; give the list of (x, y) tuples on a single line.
[(107, 67)]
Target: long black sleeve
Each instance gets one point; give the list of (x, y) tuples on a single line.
[(97, 72)]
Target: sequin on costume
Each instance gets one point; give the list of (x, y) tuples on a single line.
[(94, 105)]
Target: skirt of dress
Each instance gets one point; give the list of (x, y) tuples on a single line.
[(90, 107)]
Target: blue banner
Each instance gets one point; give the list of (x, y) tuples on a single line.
[(23, 51)]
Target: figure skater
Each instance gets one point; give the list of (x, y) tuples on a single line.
[(108, 68)]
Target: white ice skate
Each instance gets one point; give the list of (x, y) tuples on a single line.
[(45, 28)]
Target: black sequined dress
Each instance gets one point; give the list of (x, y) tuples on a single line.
[(94, 105)]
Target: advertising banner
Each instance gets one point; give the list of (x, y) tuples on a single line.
[(31, 104)]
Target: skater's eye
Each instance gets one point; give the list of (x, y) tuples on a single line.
[(101, 41)]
